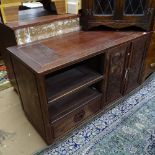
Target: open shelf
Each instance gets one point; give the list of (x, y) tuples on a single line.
[(67, 104), (70, 81)]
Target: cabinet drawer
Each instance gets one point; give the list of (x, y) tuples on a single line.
[(63, 125)]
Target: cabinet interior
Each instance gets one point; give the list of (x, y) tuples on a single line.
[(73, 86)]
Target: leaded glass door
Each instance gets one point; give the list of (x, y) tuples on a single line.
[(102, 9), (118, 13), (137, 9), (134, 7)]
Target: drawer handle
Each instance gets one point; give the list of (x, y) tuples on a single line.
[(79, 116), (152, 65)]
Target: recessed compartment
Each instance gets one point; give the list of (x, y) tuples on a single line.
[(74, 94), (73, 110), (72, 79)]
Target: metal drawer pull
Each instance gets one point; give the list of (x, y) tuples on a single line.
[(79, 116), (126, 74)]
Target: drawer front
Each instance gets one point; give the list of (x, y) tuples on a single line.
[(71, 120)]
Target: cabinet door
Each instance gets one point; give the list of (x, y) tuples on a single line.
[(150, 58), (118, 13), (140, 12), (116, 62), (136, 63), (100, 9), (136, 8)]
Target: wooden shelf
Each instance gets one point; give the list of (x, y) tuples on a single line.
[(66, 105), (70, 81)]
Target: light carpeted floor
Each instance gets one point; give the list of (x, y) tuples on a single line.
[(17, 136), (134, 136)]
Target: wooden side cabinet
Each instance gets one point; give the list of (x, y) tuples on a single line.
[(117, 13), (66, 80)]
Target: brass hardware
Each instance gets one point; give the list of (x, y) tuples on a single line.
[(79, 116), (152, 65)]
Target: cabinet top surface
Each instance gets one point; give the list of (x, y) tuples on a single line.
[(52, 54)]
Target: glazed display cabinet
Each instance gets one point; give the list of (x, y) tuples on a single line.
[(117, 13)]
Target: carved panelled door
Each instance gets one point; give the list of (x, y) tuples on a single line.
[(115, 71), (135, 67)]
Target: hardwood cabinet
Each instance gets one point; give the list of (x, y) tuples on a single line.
[(65, 80), (117, 13)]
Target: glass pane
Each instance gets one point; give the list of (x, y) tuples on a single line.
[(134, 7), (103, 7)]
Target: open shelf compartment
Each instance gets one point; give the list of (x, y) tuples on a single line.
[(72, 79)]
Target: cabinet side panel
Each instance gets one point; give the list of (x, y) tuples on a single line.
[(29, 95)]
